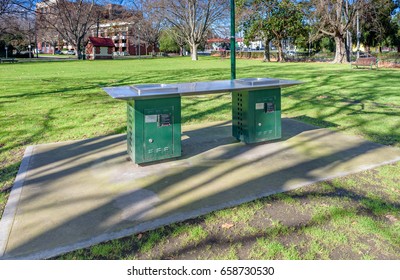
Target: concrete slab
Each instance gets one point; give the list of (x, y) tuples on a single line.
[(75, 194)]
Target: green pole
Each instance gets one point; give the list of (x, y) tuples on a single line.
[(233, 42)]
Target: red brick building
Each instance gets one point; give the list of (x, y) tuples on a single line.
[(114, 21), (100, 48), (126, 38)]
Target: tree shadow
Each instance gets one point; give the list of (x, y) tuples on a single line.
[(177, 204), (362, 85), (296, 229)]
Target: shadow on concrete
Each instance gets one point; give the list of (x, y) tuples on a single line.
[(214, 173)]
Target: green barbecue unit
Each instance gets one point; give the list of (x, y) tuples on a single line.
[(256, 115), (154, 129), (154, 113)]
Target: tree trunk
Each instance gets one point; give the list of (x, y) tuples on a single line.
[(340, 52), (281, 58), (78, 48), (349, 47), (267, 56), (398, 48), (193, 51)]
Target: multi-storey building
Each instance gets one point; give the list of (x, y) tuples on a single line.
[(120, 32), (126, 37), (113, 21)]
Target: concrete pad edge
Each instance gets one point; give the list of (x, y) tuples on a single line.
[(10, 210)]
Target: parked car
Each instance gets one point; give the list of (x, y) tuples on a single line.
[(290, 53), (58, 52)]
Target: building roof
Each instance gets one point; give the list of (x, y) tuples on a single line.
[(101, 42)]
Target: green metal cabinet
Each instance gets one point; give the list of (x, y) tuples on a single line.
[(256, 115), (154, 113), (154, 129)]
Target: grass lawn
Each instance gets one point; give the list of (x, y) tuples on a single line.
[(355, 217)]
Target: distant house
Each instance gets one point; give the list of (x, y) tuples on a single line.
[(100, 48)]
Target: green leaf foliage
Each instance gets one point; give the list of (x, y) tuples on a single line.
[(271, 20), (167, 42)]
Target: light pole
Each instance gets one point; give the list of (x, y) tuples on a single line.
[(29, 49), (348, 43), (358, 35), (233, 41), (139, 39), (6, 51)]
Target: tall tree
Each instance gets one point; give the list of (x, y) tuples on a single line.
[(70, 19), (272, 20), (12, 12), (17, 25), (333, 18), (179, 39), (193, 18), (284, 22), (150, 23), (252, 17), (150, 32), (376, 21), (395, 35), (167, 42), (17, 31)]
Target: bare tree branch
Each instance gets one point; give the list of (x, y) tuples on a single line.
[(71, 20), (193, 18)]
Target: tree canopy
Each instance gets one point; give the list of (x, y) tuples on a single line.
[(283, 19)]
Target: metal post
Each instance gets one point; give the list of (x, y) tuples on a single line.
[(348, 52), (139, 40), (6, 51), (358, 35), (29, 46), (233, 42)]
